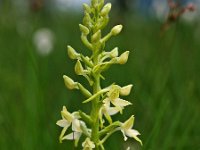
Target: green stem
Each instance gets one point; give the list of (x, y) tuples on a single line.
[(96, 88), (109, 128), (107, 136), (95, 107), (95, 113)]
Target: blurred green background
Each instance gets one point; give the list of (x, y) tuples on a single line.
[(164, 69)]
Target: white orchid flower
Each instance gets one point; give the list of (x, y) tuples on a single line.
[(127, 130), (107, 111), (88, 144), (67, 120), (113, 97)]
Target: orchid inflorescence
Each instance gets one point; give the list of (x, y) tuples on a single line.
[(97, 126)]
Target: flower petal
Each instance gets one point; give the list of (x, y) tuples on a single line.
[(63, 123), (62, 133), (76, 125), (67, 115), (120, 102), (112, 110), (129, 123), (108, 117), (88, 144), (137, 139), (72, 136), (125, 138), (106, 102), (132, 132), (114, 92)]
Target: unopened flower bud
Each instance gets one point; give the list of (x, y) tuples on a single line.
[(116, 29), (124, 91), (84, 90), (72, 53), (79, 68), (84, 29), (114, 52), (87, 21), (69, 83), (123, 58), (94, 3), (101, 3), (87, 8), (97, 36), (106, 9)]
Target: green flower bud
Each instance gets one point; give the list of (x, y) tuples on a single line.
[(124, 91), (101, 3), (96, 37), (116, 29), (87, 20), (86, 118), (84, 29), (103, 21), (87, 8), (79, 68), (69, 83), (72, 53), (106, 9), (87, 61), (84, 90), (114, 52), (123, 58), (94, 3)]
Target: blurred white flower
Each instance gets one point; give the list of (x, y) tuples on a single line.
[(43, 40)]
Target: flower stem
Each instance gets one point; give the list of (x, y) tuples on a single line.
[(95, 108), (107, 136)]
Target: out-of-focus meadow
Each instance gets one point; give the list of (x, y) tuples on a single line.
[(163, 67)]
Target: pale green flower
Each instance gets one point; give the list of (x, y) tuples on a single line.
[(107, 111), (127, 130), (69, 119), (88, 144), (113, 97)]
